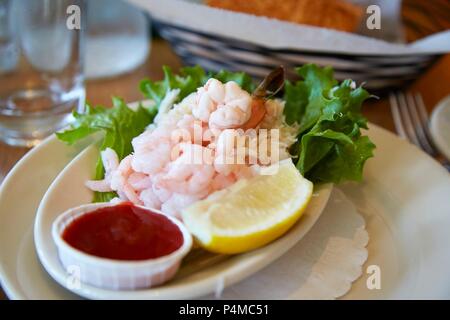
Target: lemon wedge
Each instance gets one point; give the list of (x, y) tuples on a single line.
[(251, 213)]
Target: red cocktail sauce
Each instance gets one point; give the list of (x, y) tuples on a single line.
[(124, 232)]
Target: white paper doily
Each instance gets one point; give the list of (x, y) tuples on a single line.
[(322, 265)]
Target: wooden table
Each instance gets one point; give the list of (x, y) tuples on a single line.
[(434, 85)]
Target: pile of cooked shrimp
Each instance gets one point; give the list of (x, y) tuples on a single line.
[(161, 173)]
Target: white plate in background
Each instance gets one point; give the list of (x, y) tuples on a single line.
[(440, 126)]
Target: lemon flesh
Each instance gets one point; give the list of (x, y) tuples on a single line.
[(251, 213)]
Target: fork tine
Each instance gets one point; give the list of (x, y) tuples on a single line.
[(396, 116), (421, 107), (424, 118), (411, 121), (425, 121), (418, 125), (406, 119)]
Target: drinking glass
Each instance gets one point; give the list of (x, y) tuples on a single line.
[(41, 67), (117, 38)]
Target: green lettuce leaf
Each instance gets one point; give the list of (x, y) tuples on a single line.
[(241, 78), (331, 147), (120, 125), (189, 79)]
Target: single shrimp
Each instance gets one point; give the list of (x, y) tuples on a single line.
[(120, 181), (216, 90), (110, 162), (207, 99), (234, 111), (204, 106)]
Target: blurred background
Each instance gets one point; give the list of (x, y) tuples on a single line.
[(402, 21)]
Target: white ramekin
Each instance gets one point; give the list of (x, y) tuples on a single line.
[(116, 274)]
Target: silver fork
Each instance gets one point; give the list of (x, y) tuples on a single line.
[(411, 121)]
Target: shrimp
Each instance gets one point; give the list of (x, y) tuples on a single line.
[(139, 181), (216, 90), (226, 160), (189, 129), (222, 106), (207, 99), (153, 157), (234, 154), (150, 199), (189, 173), (196, 147), (168, 101), (240, 110), (234, 111), (258, 113), (168, 121), (224, 164), (204, 106), (120, 181), (177, 202), (221, 181), (158, 189), (110, 163)]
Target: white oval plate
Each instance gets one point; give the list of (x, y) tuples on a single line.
[(68, 190), (404, 199)]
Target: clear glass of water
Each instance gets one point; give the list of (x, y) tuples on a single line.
[(41, 67), (117, 38)]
